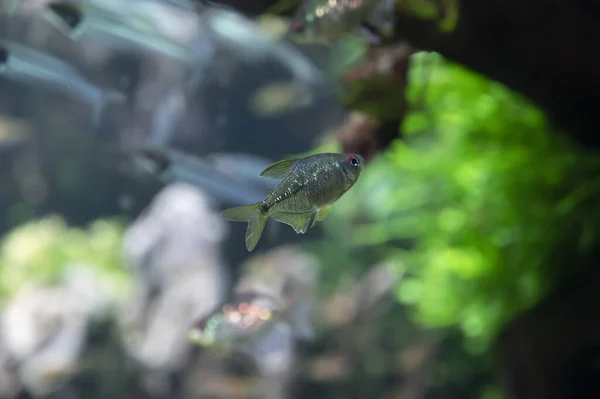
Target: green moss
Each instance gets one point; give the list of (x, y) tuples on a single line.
[(445, 12), (492, 200), (40, 251)]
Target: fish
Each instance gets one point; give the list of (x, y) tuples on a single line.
[(245, 167), (236, 323), (230, 178), (225, 177), (30, 66), (309, 185), (246, 39), (326, 21), (125, 28), (240, 323)]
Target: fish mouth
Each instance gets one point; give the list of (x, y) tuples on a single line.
[(349, 179)]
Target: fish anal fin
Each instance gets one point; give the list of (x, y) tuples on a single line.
[(322, 214), (280, 169), (256, 225), (299, 221)]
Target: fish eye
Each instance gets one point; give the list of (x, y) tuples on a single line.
[(297, 27), (353, 161)]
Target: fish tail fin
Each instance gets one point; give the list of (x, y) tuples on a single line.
[(254, 216)]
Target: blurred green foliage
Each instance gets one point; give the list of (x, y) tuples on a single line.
[(475, 201), (444, 11), (39, 252)]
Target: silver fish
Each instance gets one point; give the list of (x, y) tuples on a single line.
[(244, 167), (241, 323), (325, 21), (31, 66), (228, 177), (123, 28), (218, 180), (245, 37)]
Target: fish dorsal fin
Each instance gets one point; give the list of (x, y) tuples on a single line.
[(279, 169)]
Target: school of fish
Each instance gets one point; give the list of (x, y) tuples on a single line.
[(134, 27)]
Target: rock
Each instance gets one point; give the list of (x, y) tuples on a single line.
[(173, 250)]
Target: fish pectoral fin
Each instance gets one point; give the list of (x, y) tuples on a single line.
[(322, 214), (280, 169), (299, 221)]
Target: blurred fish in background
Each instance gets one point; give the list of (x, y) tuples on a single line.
[(136, 26), (239, 324), (326, 21), (247, 40), (232, 178), (271, 309), (30, 66), (267, 293)]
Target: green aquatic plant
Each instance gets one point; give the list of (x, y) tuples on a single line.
[(444, 12), (480, 200), (40, 251)]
